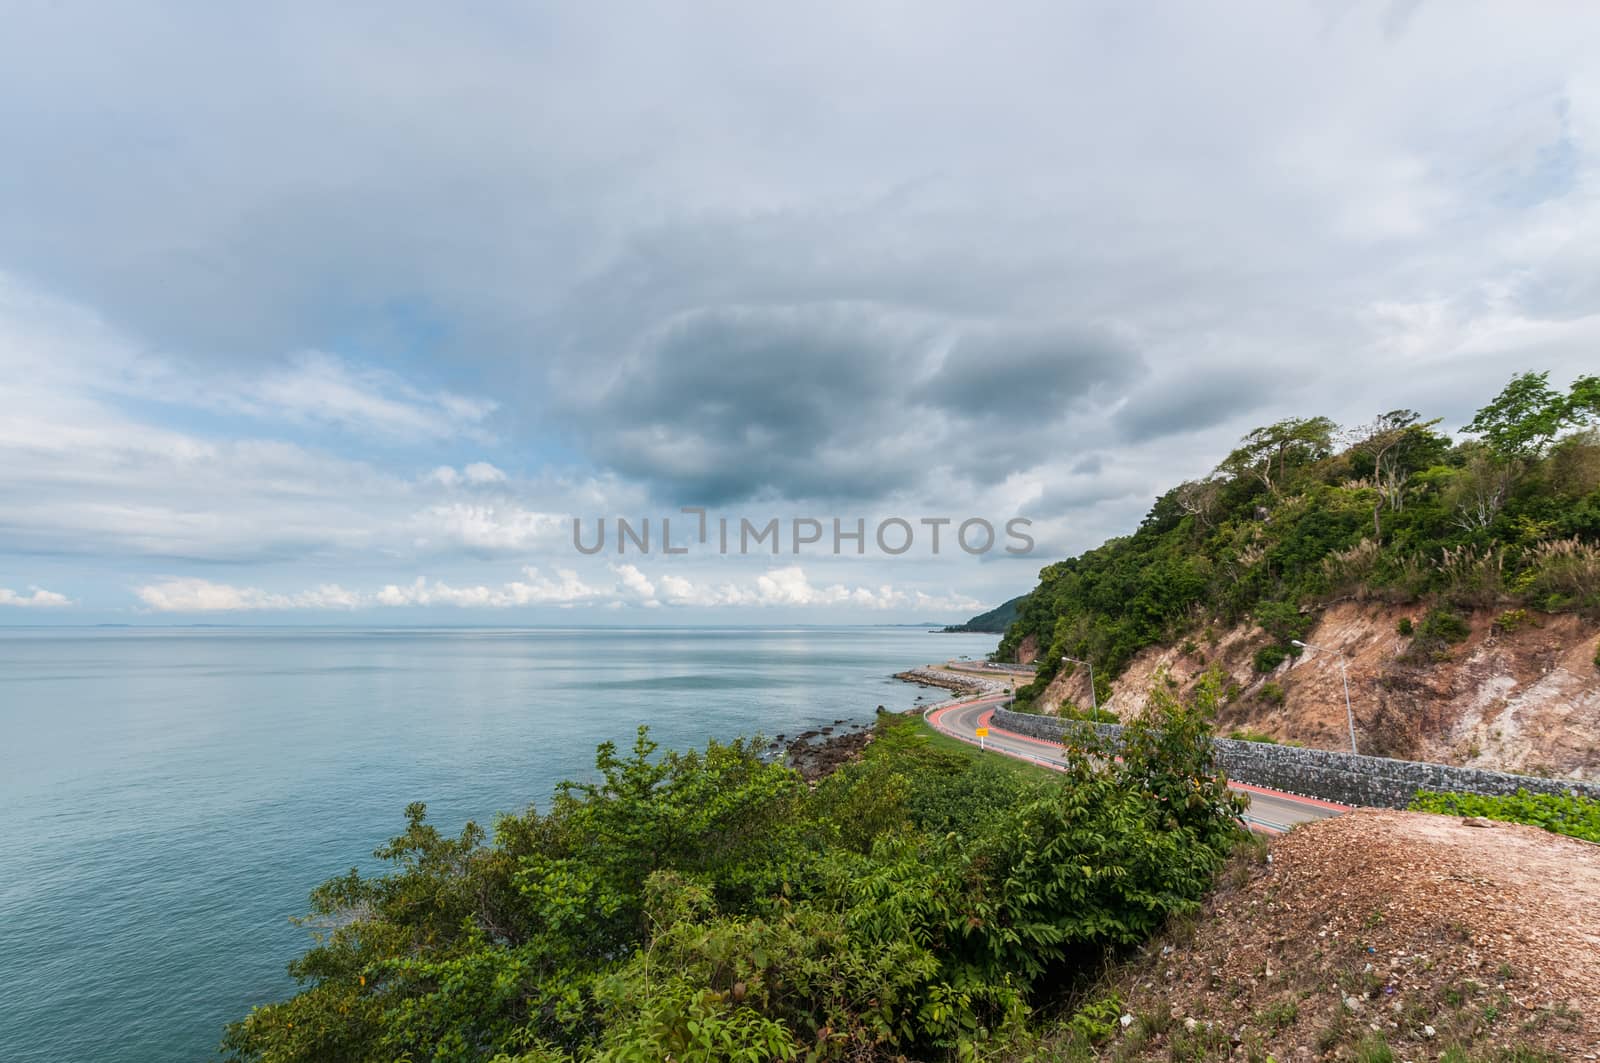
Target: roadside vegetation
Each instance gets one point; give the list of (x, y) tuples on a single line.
[(980, 762), (1303, 514), (922, 902), (1569, 814)]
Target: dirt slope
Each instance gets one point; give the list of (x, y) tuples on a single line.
[(1525, 699), (1417, 929)]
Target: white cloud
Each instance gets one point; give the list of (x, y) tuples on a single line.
[(204, 596), (71, 353), (787, 586), (487, 528), (780, 587), (37, 597), (533, 589), (317, 387), (481, 472), (636, 585)]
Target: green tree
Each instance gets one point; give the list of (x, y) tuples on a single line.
[(1528, 414), (1392, 442), (1268, 454)]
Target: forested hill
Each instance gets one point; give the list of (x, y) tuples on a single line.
[(996, 620), (1303, 513)]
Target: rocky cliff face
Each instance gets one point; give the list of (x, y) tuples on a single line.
[(1519, 694), (1028, 651)]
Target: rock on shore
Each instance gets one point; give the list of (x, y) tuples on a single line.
[(958, 683)]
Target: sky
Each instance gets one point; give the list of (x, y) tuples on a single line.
[(345, 313)]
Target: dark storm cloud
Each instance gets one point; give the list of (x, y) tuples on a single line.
[(1035, 373), (840, 401), (737, 402), (1081, 493), (1188, 401)]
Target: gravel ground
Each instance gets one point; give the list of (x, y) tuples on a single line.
[(1427, 931)]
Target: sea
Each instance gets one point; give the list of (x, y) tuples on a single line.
[(169, 796)]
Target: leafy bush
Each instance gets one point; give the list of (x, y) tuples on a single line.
[(1284, 621), (1405, 627), (1269, 657), (1252, 736), (1512, 620), (1096, 1021), (1069, 711), (1567, 814), (1443, 624), (1272, 693), (709, 906)]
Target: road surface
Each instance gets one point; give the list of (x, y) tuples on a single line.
[(1270, 811)]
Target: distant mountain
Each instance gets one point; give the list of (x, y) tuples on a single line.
[(995, 621)]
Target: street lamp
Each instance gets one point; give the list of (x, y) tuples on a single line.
[(1349, 714), (1094, 700)]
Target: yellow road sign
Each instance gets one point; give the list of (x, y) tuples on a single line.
[(983, 732)]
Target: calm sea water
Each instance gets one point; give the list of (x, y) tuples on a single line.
[(169, 797)]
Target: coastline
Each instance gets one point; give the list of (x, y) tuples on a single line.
[(822, 751)]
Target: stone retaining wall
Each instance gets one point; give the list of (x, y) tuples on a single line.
[(1345, 778)]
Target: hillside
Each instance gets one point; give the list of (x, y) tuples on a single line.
[(1409, 932), (1458, 581), (995, 621), (1519, 697)]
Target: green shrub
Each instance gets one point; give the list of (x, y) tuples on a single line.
[(1578, 817), (1444, 624), (1252, 736), (1096, 1021), (1405, 627), (1269, 657), (1512, 620), (1597, 654), (1071, 711), (709, 906), (1271, 693)]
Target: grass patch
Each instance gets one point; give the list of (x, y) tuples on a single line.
[(1026, 769), (1577, 817)]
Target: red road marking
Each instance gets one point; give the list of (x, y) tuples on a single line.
[(983, 721), (1297, 798)]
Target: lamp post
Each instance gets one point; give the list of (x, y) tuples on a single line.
[(1094, 700), (1349, 714)]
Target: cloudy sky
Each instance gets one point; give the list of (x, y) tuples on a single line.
[(335, 313)]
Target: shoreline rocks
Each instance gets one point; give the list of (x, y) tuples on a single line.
[(820, 751), (957, 684)]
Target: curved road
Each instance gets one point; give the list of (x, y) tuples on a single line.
[(1270, 811)]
